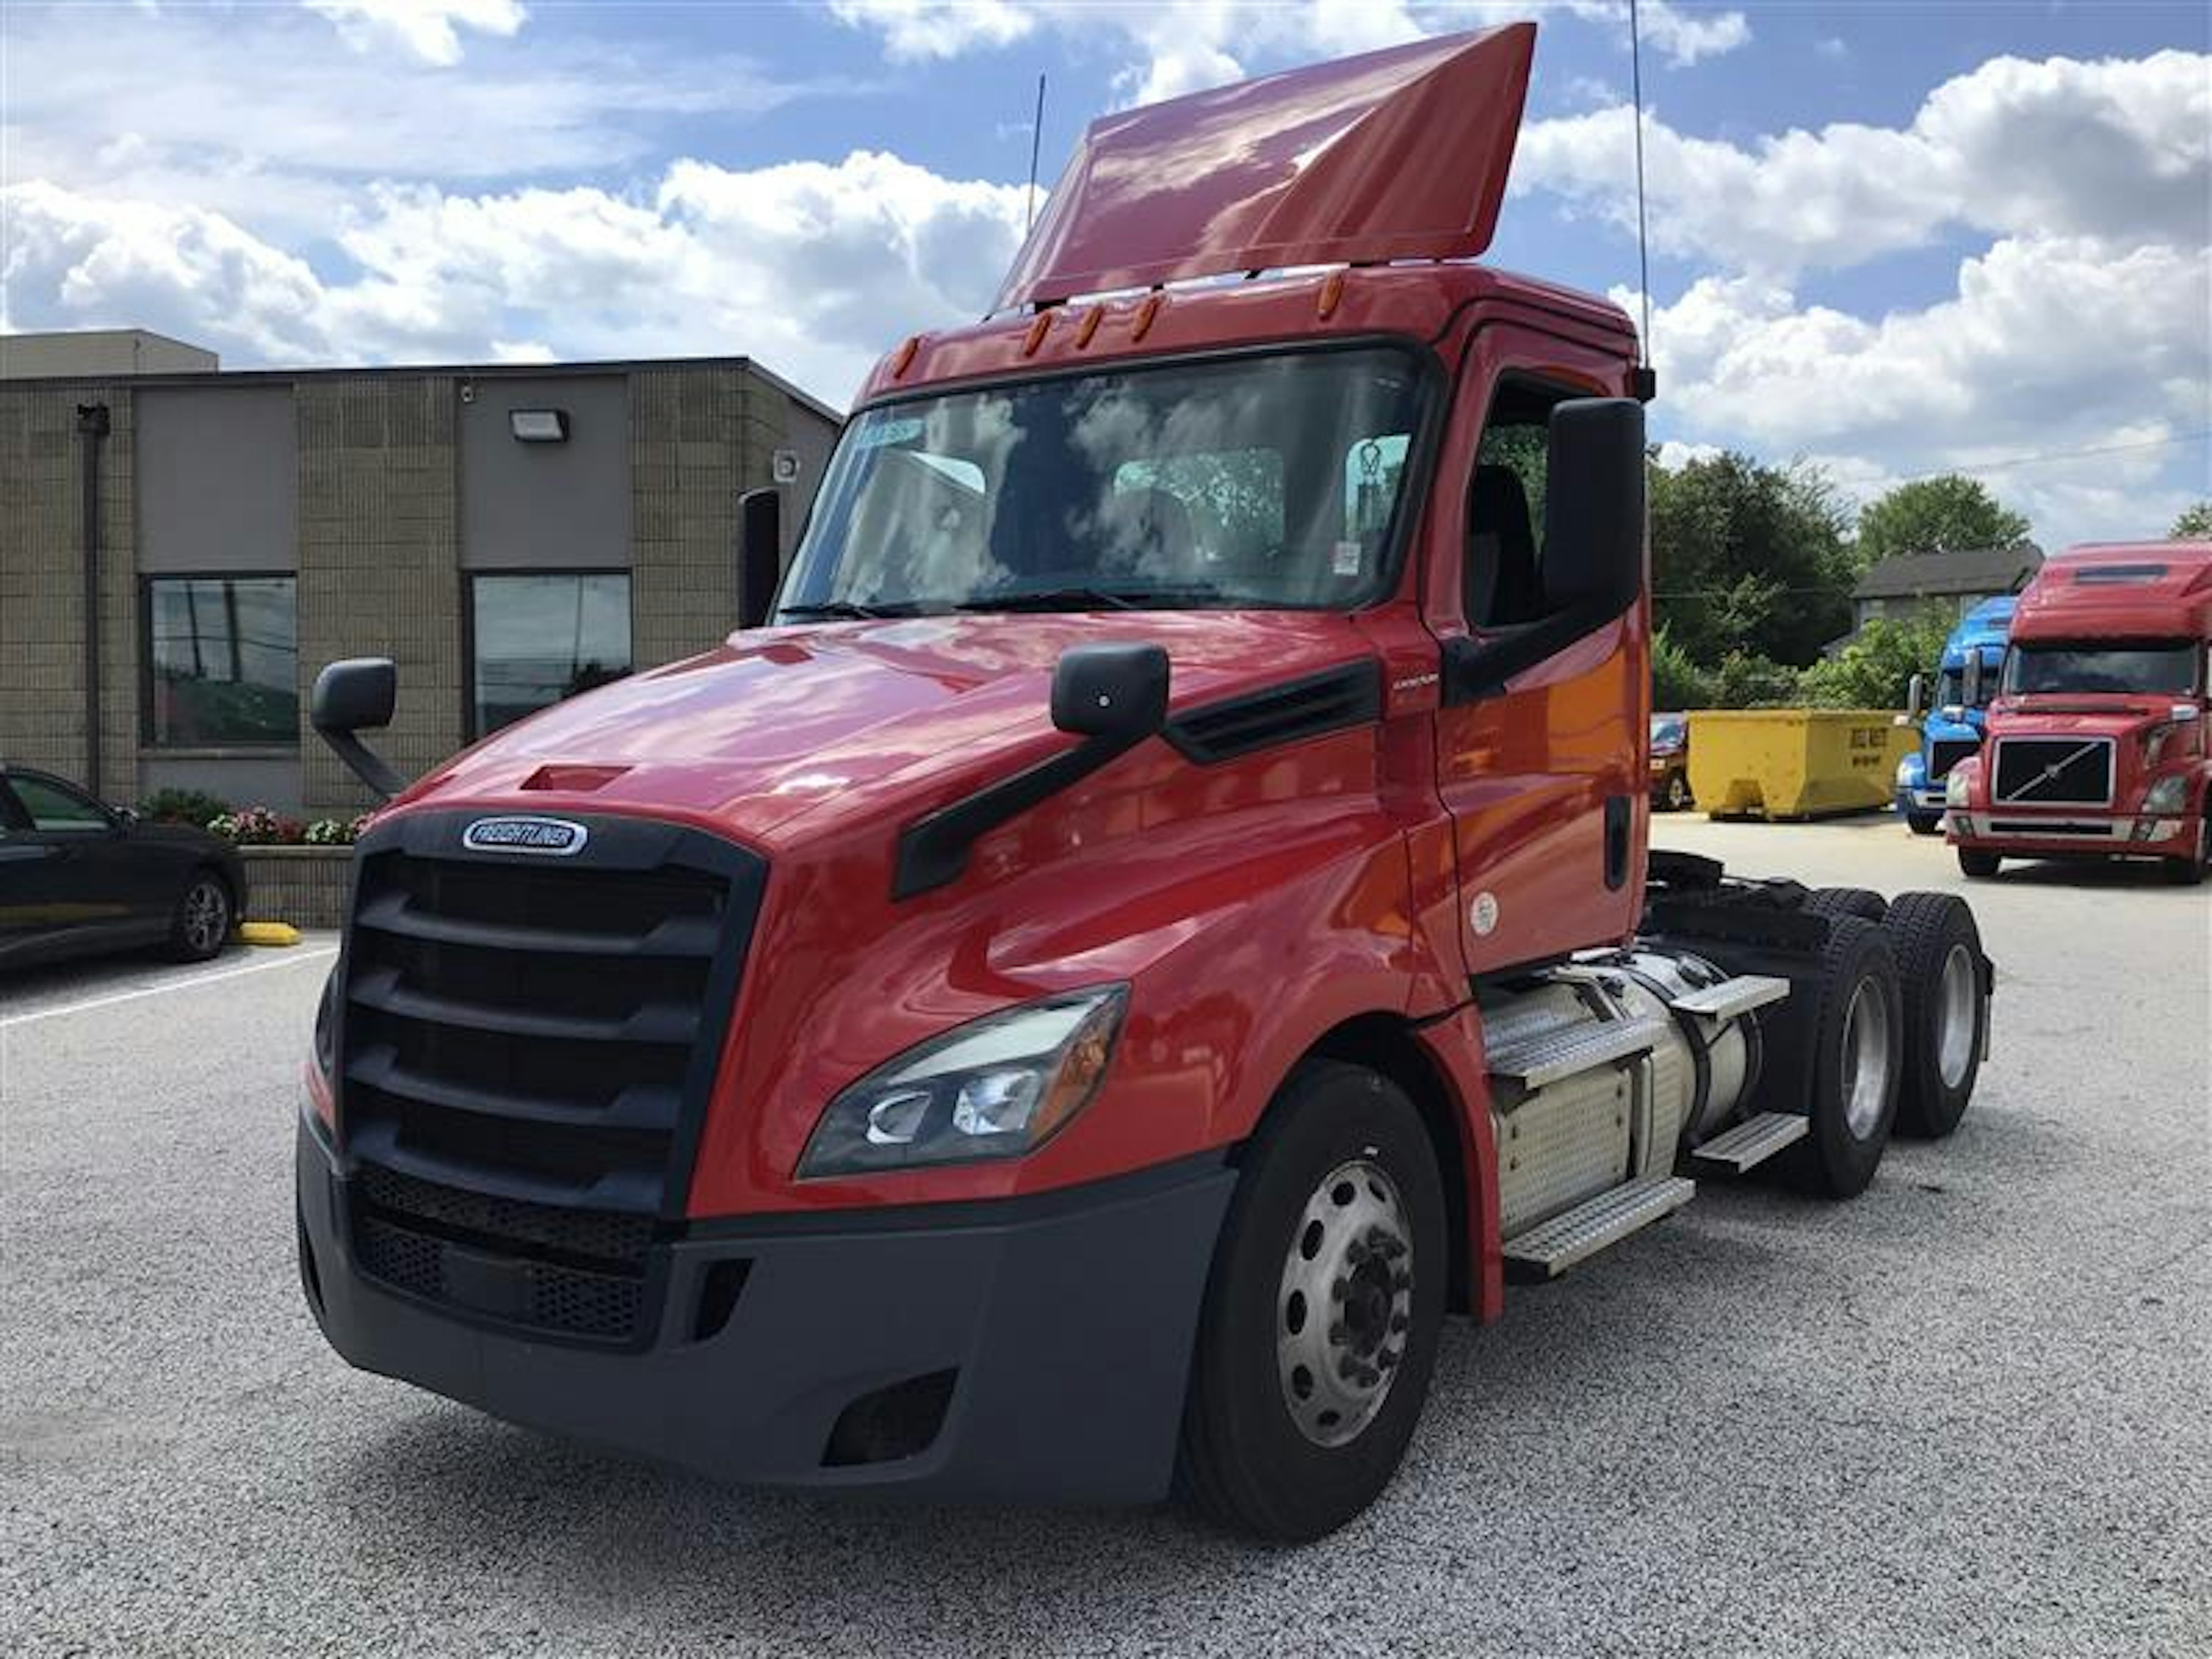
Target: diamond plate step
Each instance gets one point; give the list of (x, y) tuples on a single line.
[(1558, 1051), (1754, 1141), (1552, 1247), (1735, 996)]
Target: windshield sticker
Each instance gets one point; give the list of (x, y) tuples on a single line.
[(1348, 559), (877, 433)]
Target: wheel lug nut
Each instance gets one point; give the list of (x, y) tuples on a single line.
[(1338, 1336)]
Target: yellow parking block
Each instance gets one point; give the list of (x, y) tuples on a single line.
[(267, 932)]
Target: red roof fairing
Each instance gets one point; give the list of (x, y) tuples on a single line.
[(1395, 154)]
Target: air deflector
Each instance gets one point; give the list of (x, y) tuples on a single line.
[(1395, 154)]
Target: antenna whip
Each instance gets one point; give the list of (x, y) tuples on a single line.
[(1037, 137), (1643, 240)]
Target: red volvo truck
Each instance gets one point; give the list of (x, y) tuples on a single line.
[(1150, 915), (2096, 742)]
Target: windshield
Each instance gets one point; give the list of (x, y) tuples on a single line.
[(1951, 689), (1270, 483), (1668, 731), (2158, 668)]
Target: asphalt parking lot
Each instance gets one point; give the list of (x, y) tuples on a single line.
[(1966, 1413)]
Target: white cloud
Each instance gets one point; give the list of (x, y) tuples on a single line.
[(2003, 376), (1188, 46), (811, 267), (429, 29), (922, 30), (2117, 149)]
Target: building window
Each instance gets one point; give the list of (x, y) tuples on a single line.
[(539, 638), (222, 662)]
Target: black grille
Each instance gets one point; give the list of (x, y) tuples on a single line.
[(1327, 702), (1946, 753), (2054, 771), (526, 1048)]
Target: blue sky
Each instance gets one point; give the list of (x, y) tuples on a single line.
[(1889, 238)]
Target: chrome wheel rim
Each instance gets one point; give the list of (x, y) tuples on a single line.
[(1344, 1307), (1866, 1058), (205, 915), (1955, 1020)]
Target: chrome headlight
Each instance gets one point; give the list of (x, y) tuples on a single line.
[(2169, 794), (996, 1087), (1954, 789)]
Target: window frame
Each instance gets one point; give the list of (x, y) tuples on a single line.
[(147, 737), (472, 728)]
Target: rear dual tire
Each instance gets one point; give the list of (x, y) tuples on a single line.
[(1859, 1028), (1944, 986), (1321, 1312)]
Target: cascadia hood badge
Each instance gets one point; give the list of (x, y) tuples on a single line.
[(554, 837)]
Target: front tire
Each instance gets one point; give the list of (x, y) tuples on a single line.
[(1321, 1312), (1923, 824), (1974, 861), (202, 921), (1677, 798), (2191, 870)]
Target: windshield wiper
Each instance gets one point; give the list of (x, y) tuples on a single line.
[(1087, 599), (845, 611)]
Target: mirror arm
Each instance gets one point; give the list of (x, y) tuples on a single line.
[(363, 762), (1475, 669), (933, 850)]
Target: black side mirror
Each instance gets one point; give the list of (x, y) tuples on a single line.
[(1592, 568), (357, 694), (1916, 698), (1116, 691), (760, 554), (1593, 506)]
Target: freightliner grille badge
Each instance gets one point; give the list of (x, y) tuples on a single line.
[(552, 837)]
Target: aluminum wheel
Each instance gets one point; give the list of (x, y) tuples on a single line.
[(1866, 1059), (1956, 1016), (1345, 1304), (207, 916)]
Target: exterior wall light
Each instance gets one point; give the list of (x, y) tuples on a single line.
[(539, 426)]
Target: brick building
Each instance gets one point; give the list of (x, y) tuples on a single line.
[(508, 534)]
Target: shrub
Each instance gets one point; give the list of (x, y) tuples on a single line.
[(258, 826), (1874, 669), (336, 832), (1676, 681), (192, 806)]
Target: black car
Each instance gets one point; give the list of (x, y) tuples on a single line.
[(78, 877)]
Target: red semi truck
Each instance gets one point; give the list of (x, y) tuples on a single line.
[(2096, 742), (1149, 914)]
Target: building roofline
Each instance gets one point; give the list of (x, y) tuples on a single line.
[(609, 366)]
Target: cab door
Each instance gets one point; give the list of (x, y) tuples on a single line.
[(1542, 769)]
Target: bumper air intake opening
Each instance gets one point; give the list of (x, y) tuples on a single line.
[(718, 1289), (311, 1280), (901, 1420)]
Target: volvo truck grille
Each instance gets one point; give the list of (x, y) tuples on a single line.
[(2054, 772), (527, 1042), (1946, 753)]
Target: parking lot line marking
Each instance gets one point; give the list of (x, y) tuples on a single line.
[(109, 1000)]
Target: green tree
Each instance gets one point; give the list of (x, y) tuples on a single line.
[(1876, 668), (1747, 559), (1945, 515), (1676, 681), (2194, 524)]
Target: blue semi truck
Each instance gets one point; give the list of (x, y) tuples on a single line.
[(1965, 680)]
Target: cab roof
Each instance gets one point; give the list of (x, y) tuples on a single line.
[(1395, 154), (2118, 590)]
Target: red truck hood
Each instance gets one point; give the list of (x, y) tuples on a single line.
[(789, 721), (2077, 716)]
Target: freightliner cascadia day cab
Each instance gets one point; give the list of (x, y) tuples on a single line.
[(2096, 742), (1966, 679), (1151, 914)]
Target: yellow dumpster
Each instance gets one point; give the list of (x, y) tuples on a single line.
[(1795, 762)]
